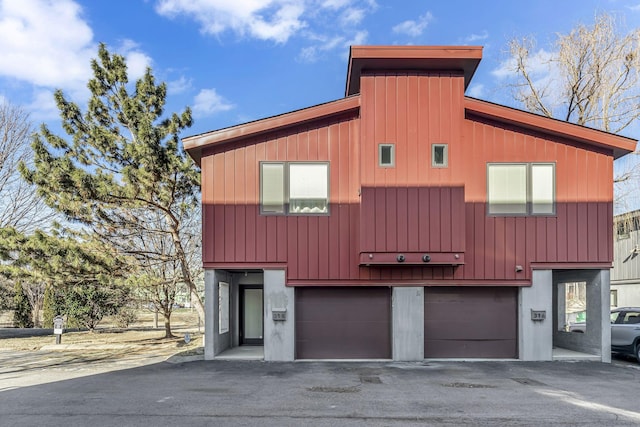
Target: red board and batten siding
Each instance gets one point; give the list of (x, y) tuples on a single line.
[(311, 246), (412, 110), (412, 219), (581, 230)]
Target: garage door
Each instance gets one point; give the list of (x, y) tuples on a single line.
[(470, 322), (343, 323)]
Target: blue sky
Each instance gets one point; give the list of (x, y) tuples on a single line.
[(234, 61)]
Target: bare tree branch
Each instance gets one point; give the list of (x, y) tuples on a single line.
[(20, 207), (592, 78)]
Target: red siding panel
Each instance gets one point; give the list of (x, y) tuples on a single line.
[(412, 207), (394, 210)]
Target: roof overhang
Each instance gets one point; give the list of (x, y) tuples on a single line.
[(411, 58), (196, 143), (619, 145)]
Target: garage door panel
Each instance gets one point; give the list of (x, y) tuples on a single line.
[(339, 305), (471, 322), (341, 323), (473, 349), (468, 328)]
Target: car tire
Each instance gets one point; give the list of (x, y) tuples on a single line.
[(638, 351)]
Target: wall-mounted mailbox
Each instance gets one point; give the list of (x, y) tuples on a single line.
[(279, 314), (538, 315)]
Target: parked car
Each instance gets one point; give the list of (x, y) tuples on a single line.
[(625, 330)]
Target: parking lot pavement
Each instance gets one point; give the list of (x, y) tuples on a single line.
[(257, 393), (29, 368)]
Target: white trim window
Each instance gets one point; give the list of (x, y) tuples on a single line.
[(297, 188), (521, 189), (272, 200), (439, 155), (387, 155)]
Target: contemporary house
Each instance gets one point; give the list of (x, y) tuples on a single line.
[(625, 276), (406, 221)]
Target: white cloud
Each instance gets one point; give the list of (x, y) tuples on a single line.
[(477, 37), (539, 65), (359, 38), (321, 22), (43, 106), (352, 16), (137, 60), (414, 28), (41, 50), (476, 90), (275, 20), (312, 54), (207, 102), (179, 86), (635, 8), (335, 4)]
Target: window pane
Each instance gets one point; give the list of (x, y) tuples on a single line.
[(272, 187), (308, 187), (542, 189), (223, 307), (507, 189), (385, 153), (439, 155)]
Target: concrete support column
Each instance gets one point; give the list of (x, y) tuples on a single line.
[(209, 298), (279, 334), (535, 337), (408, 323), (605, 314)]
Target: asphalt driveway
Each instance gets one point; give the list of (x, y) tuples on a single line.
[(201, 393)]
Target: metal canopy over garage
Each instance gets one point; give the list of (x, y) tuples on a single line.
[(470, 322), (343, 323)]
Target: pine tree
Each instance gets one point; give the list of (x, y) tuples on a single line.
[(122, 171), (90, 275), (22, 308), (51, 307)]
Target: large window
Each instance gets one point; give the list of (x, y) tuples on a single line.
[(521, 188), (294, 188)]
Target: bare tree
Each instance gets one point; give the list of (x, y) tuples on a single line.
[(591, 78), (20, 207), (160, 262)]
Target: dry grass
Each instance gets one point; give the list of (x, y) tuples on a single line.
[(140, 337)]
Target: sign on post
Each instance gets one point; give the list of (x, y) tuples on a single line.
[(58, 325), (58, 328)]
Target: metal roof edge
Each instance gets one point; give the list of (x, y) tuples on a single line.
[(620, 145), (194, 144)]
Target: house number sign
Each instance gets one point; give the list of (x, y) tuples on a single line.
[(538, 315), (279, 315)]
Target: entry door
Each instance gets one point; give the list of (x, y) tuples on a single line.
[(251, 316)]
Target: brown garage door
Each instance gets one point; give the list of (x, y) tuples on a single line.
[(343, 323), (470, 322)]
